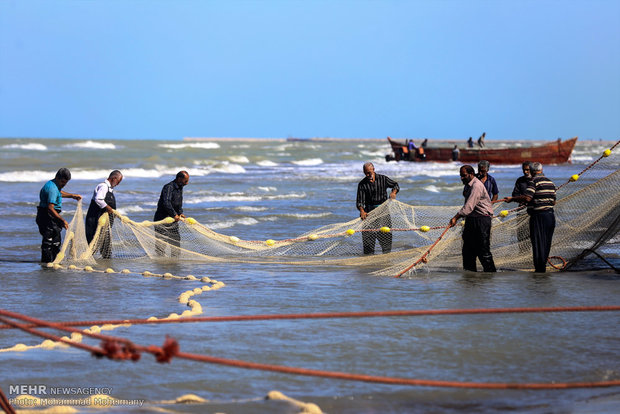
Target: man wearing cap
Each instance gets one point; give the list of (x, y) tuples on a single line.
[(49, 220)]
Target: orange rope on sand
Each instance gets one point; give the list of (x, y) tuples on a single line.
[(111, 347)]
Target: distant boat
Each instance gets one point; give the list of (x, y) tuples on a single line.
[(556, 152)]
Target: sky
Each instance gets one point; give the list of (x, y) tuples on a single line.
[(129, 69)]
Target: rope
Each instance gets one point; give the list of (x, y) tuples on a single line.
[(5, 404), (324, 315), (562, 267), (592, 164), (112, 350), (423, 258)]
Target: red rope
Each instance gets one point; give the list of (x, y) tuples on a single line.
[(423, 258), (171, 348), (5, 404), (323, 315)]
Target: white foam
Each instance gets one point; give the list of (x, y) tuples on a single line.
[(221, 198), (91, 145), (131, 209), (27, 176), (203, 145), (306, 215), (267, 189), (34, 146), (228, 168), (266, 163), (308, 162), (250, 208), (245, 221), (432, 188), (239, 158)]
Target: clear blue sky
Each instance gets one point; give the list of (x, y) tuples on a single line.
[(442, 69)]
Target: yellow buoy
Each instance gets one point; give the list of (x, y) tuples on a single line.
[(88, 268), (313, 237), (574, 177), (109, 270), (190, 220), (425, 228), (270, 242), (350, 232), (384, 229), (607, 153), (125, 271), (503, 213), (234, 239)]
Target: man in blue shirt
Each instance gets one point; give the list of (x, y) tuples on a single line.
[(49, 220), (487, 180)]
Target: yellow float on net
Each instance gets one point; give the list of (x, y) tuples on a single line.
[(574, 177), (425, 228), (385, 229), (503, 213), (190, 220), (88, 268), (168, 220), (607, 153), (313, 237), (109, 270), (234, 239), (350, 232), (270, 242)]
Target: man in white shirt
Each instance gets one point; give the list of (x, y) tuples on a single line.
[(103, 201)]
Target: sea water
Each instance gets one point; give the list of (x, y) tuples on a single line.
[(261, 189)]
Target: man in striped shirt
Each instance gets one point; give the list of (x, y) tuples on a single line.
[(371, 193), (540, 199)]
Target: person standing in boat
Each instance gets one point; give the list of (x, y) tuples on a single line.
[(455, 153), (371, 193), (481, 140), (49, 220), (170, 204), (470, 142), (424, 143), (478, 212), (540, 197), (489, 182), (103, 201)]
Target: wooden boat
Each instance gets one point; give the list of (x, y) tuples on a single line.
[(556, 152)]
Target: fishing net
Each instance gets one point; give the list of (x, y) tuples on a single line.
[(404, 237)]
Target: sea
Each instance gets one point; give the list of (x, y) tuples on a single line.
[(257, 189)]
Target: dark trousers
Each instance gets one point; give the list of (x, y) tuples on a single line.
[(369, 238), (477, 244), (167, 234), (50, 229), (542, 226), (92, 222)]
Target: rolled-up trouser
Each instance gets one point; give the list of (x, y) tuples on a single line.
[(369, 238), (542, 226), (168, 233), (50, 229), (477, 244)]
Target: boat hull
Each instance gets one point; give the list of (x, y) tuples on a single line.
[(556, 152)]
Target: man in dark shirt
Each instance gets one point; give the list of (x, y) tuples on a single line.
[(540, 199), (523, 233), (489, 182), (170, 204), (371, 193)]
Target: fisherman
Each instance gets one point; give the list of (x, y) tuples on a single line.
[(523, 234), (540, 198), (49, 220), (170, 204), (455, 153), (477, 232), (424, 143), (412, 148), (489, 182), (103, 201), (371, 193), (481, 140), (470, 142)]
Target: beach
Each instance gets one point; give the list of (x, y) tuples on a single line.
[(258, 189)]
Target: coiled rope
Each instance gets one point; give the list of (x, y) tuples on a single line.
[(123, 349)]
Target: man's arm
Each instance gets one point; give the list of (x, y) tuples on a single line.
[(166, 196), (393, 185), (58, 217), (70, 195)]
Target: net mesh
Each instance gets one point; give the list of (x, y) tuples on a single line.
[(403, 236)]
